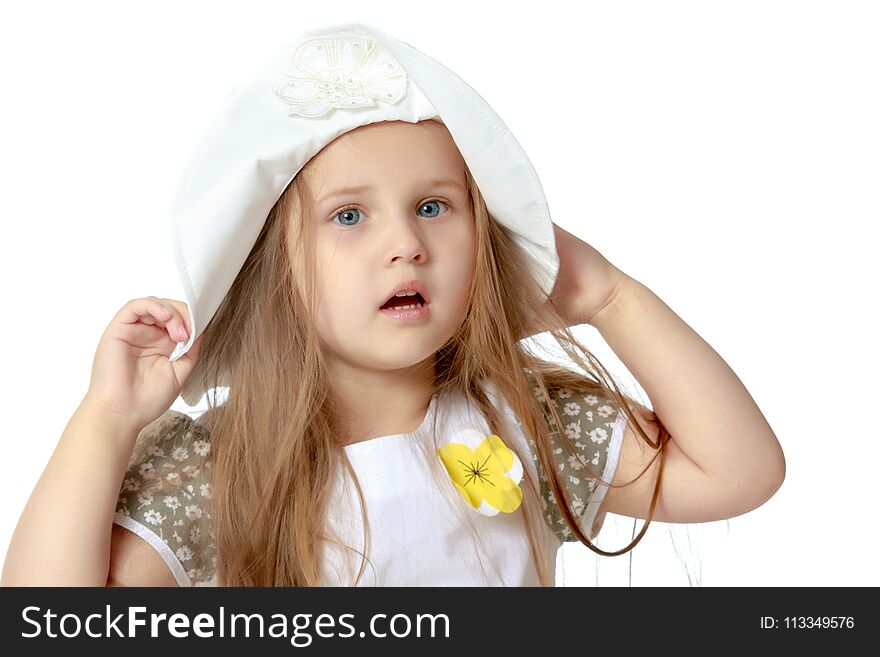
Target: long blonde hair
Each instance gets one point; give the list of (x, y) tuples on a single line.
[(275, 438)]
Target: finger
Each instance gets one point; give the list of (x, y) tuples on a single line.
[(180, 330), (145, 310), (184, 365), (174, 322), (192, 355), (151, 311)]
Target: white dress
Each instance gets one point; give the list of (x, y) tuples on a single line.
[(423, 532)]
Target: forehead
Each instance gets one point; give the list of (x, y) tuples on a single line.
[(394, 148)]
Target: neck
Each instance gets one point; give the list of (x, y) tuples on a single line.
[(375, 403)]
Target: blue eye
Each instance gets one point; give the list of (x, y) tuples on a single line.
[(351, 210)]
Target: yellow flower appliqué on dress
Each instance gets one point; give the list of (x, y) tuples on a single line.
[(484, 471)]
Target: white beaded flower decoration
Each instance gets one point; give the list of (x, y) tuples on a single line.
[(337, 72)]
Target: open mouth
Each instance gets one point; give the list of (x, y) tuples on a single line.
[(404, 302)]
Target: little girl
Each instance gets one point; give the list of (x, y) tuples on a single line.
[(364, 246)]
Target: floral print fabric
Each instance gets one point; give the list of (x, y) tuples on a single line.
[(168, 492), (594, 425)]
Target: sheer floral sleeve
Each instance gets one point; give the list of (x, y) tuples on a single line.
[(594, 426), (166, 496)]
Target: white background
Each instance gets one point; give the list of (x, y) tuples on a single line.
[(726, 155)]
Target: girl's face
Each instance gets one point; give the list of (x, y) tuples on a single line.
[(410, 219)]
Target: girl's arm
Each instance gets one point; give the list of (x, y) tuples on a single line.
[(63, 536), (134, 562), (723, 458)]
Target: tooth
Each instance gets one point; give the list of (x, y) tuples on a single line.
[(409, 307)]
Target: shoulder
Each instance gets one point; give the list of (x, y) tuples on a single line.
[(166, 495), (584, 454)]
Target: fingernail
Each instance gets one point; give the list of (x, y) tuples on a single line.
[(181, 332)]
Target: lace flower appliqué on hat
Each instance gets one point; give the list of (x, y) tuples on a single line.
[(484, 471), (338, 72)]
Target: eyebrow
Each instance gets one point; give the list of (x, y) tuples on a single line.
[(344, 191)]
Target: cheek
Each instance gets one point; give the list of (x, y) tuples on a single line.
[(343, 289), (460, 256)]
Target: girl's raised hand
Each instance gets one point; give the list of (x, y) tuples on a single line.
[(132, 376), (586, 282)]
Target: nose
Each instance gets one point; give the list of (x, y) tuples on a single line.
[(406, 241)]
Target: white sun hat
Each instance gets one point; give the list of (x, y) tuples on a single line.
[(322, 84)]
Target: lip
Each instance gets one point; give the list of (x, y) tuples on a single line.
[(410, 316), (414, 285)]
